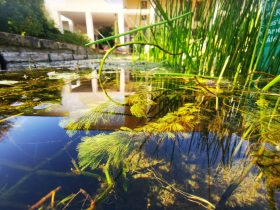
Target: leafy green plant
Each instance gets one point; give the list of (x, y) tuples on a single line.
[(77, 38), (112, 149), (182, 120)]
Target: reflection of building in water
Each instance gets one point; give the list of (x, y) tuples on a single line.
[(86, 93), (82, 96)]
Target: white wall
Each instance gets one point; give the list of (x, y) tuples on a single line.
[(83, 5)]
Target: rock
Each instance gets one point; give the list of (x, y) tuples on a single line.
[(17, 103)]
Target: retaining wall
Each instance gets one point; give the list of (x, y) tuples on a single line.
[(19, 51)]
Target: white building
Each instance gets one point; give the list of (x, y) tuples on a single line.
[(87, 16)]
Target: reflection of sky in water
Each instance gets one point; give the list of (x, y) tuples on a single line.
[(34, 139), (29, 143), (30, 134)]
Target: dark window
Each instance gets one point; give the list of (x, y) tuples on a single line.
[(144, 5), (143, 17), (198, 10)]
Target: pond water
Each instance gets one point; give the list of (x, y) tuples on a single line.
[(134, 139)]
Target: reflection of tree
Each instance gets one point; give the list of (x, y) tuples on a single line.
[(4, 128)]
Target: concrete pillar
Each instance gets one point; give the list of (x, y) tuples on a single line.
[(94, 81), (71, 25), (59, 22), (89, 24), (122, 81), (152, 14), (121, 25)]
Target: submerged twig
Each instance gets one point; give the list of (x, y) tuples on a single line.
[(73, 173), (45, 198), (87, 197), (8, 118)]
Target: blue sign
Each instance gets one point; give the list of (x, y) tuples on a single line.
[(270, 58)]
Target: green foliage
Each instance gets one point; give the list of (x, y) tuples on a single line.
[(100, 114), (182, 120), (74, 38), (217, 30), (106, 31), (219, 38), (140, 101), (112, 149), (28, 18)]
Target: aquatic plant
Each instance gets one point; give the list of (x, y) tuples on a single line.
[(111, 149), (98, 115), (28, 90), (110, 153), (141, 101), (182, 120), (206, 37)]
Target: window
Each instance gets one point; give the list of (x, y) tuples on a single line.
[(143, 17), (144, 5)]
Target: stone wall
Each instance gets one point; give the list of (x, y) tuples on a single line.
[(20, 51)]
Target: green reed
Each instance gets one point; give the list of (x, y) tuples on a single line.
[(206, 35), (217, 32)]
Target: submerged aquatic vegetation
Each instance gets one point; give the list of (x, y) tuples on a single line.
[(160, 156), (28, 92), (141, 101), (87, 119), (250, 192), (208, 39), (111, 149), (182, 120)]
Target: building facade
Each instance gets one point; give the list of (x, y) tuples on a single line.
[(88, 16)]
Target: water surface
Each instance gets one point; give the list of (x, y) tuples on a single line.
[(141, 140)]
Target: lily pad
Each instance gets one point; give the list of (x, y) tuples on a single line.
[(8, 82)]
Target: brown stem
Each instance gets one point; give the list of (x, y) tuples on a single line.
[(44, 199)]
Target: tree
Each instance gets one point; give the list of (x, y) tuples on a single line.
[(25, 16)]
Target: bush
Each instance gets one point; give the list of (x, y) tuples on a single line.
[(26, 16), (106, 31), (74, 38)]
